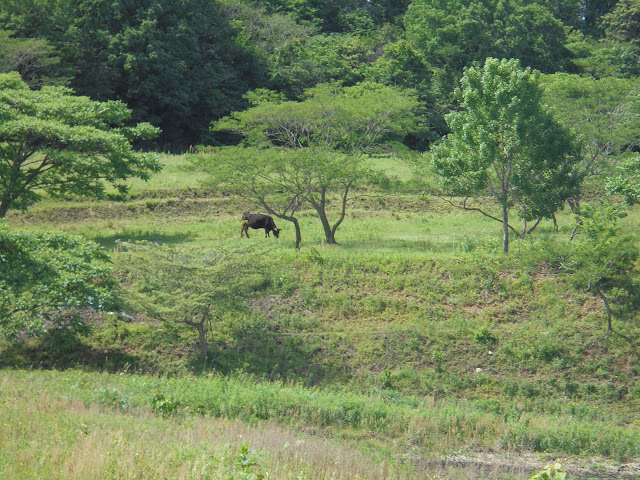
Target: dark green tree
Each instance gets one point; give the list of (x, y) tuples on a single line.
[(592, 12), (178, 64), (622, 24), (453, 34)]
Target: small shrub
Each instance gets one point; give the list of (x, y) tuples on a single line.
[(484, 336), (167, 407), (552, 472)]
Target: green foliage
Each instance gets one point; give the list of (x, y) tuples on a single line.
[(552, 472), (603, 259), (626, 180), (33, 58), (603, 114), (504, 144), (338, 16), (56, 142), (49, 281), (177, 64), (195, 288), (353, 120), (320, 59), (246, 463), (166, 407), (454, 34), (622, 23)]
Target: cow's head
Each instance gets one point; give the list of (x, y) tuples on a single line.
[(276, 232), (245, 216)]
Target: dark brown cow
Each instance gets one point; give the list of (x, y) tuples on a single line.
[(258, 220)]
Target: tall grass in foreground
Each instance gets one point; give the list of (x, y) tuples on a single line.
[(397, 424), (45, 435)]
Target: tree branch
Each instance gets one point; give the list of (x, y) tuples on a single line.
[(475, 209)]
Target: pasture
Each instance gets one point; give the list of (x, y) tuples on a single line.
[(413, 340)]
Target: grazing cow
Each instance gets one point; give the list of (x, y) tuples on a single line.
[(258, 220)]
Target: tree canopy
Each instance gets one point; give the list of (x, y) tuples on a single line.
[(50, 280), (505, 144), (181, 64), (194, 288), (59, 143)]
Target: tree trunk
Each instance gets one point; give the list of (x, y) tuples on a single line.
[(288, 218), (535, 225), (574, 205), (203, 346), (4, 208), (328, 233), (298, 233), (343, 211), (319, 207), (505, 229), (602, 296), (202, 342)]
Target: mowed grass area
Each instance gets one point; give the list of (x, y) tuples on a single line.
[(418, 335)]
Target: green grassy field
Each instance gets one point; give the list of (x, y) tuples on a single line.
[(413, 340)]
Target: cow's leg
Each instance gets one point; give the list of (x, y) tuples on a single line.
[(244, 230), (266, 232)]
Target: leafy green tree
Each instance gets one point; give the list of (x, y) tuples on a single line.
[(49, 280), (33, 58), (194, 288), (55, 142), (603, 259), (603, 113), (274, 180), (178, 64), (622, 23), (506, 146), (455, 34), (318, 59), (351, 121)]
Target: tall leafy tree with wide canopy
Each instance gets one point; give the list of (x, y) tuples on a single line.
[(504, 144), (453, 34), (55, 142), (178, 64)]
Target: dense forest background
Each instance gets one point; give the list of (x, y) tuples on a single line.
[(182, 64)]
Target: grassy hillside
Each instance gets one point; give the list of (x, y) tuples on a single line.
[(414, 337)]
